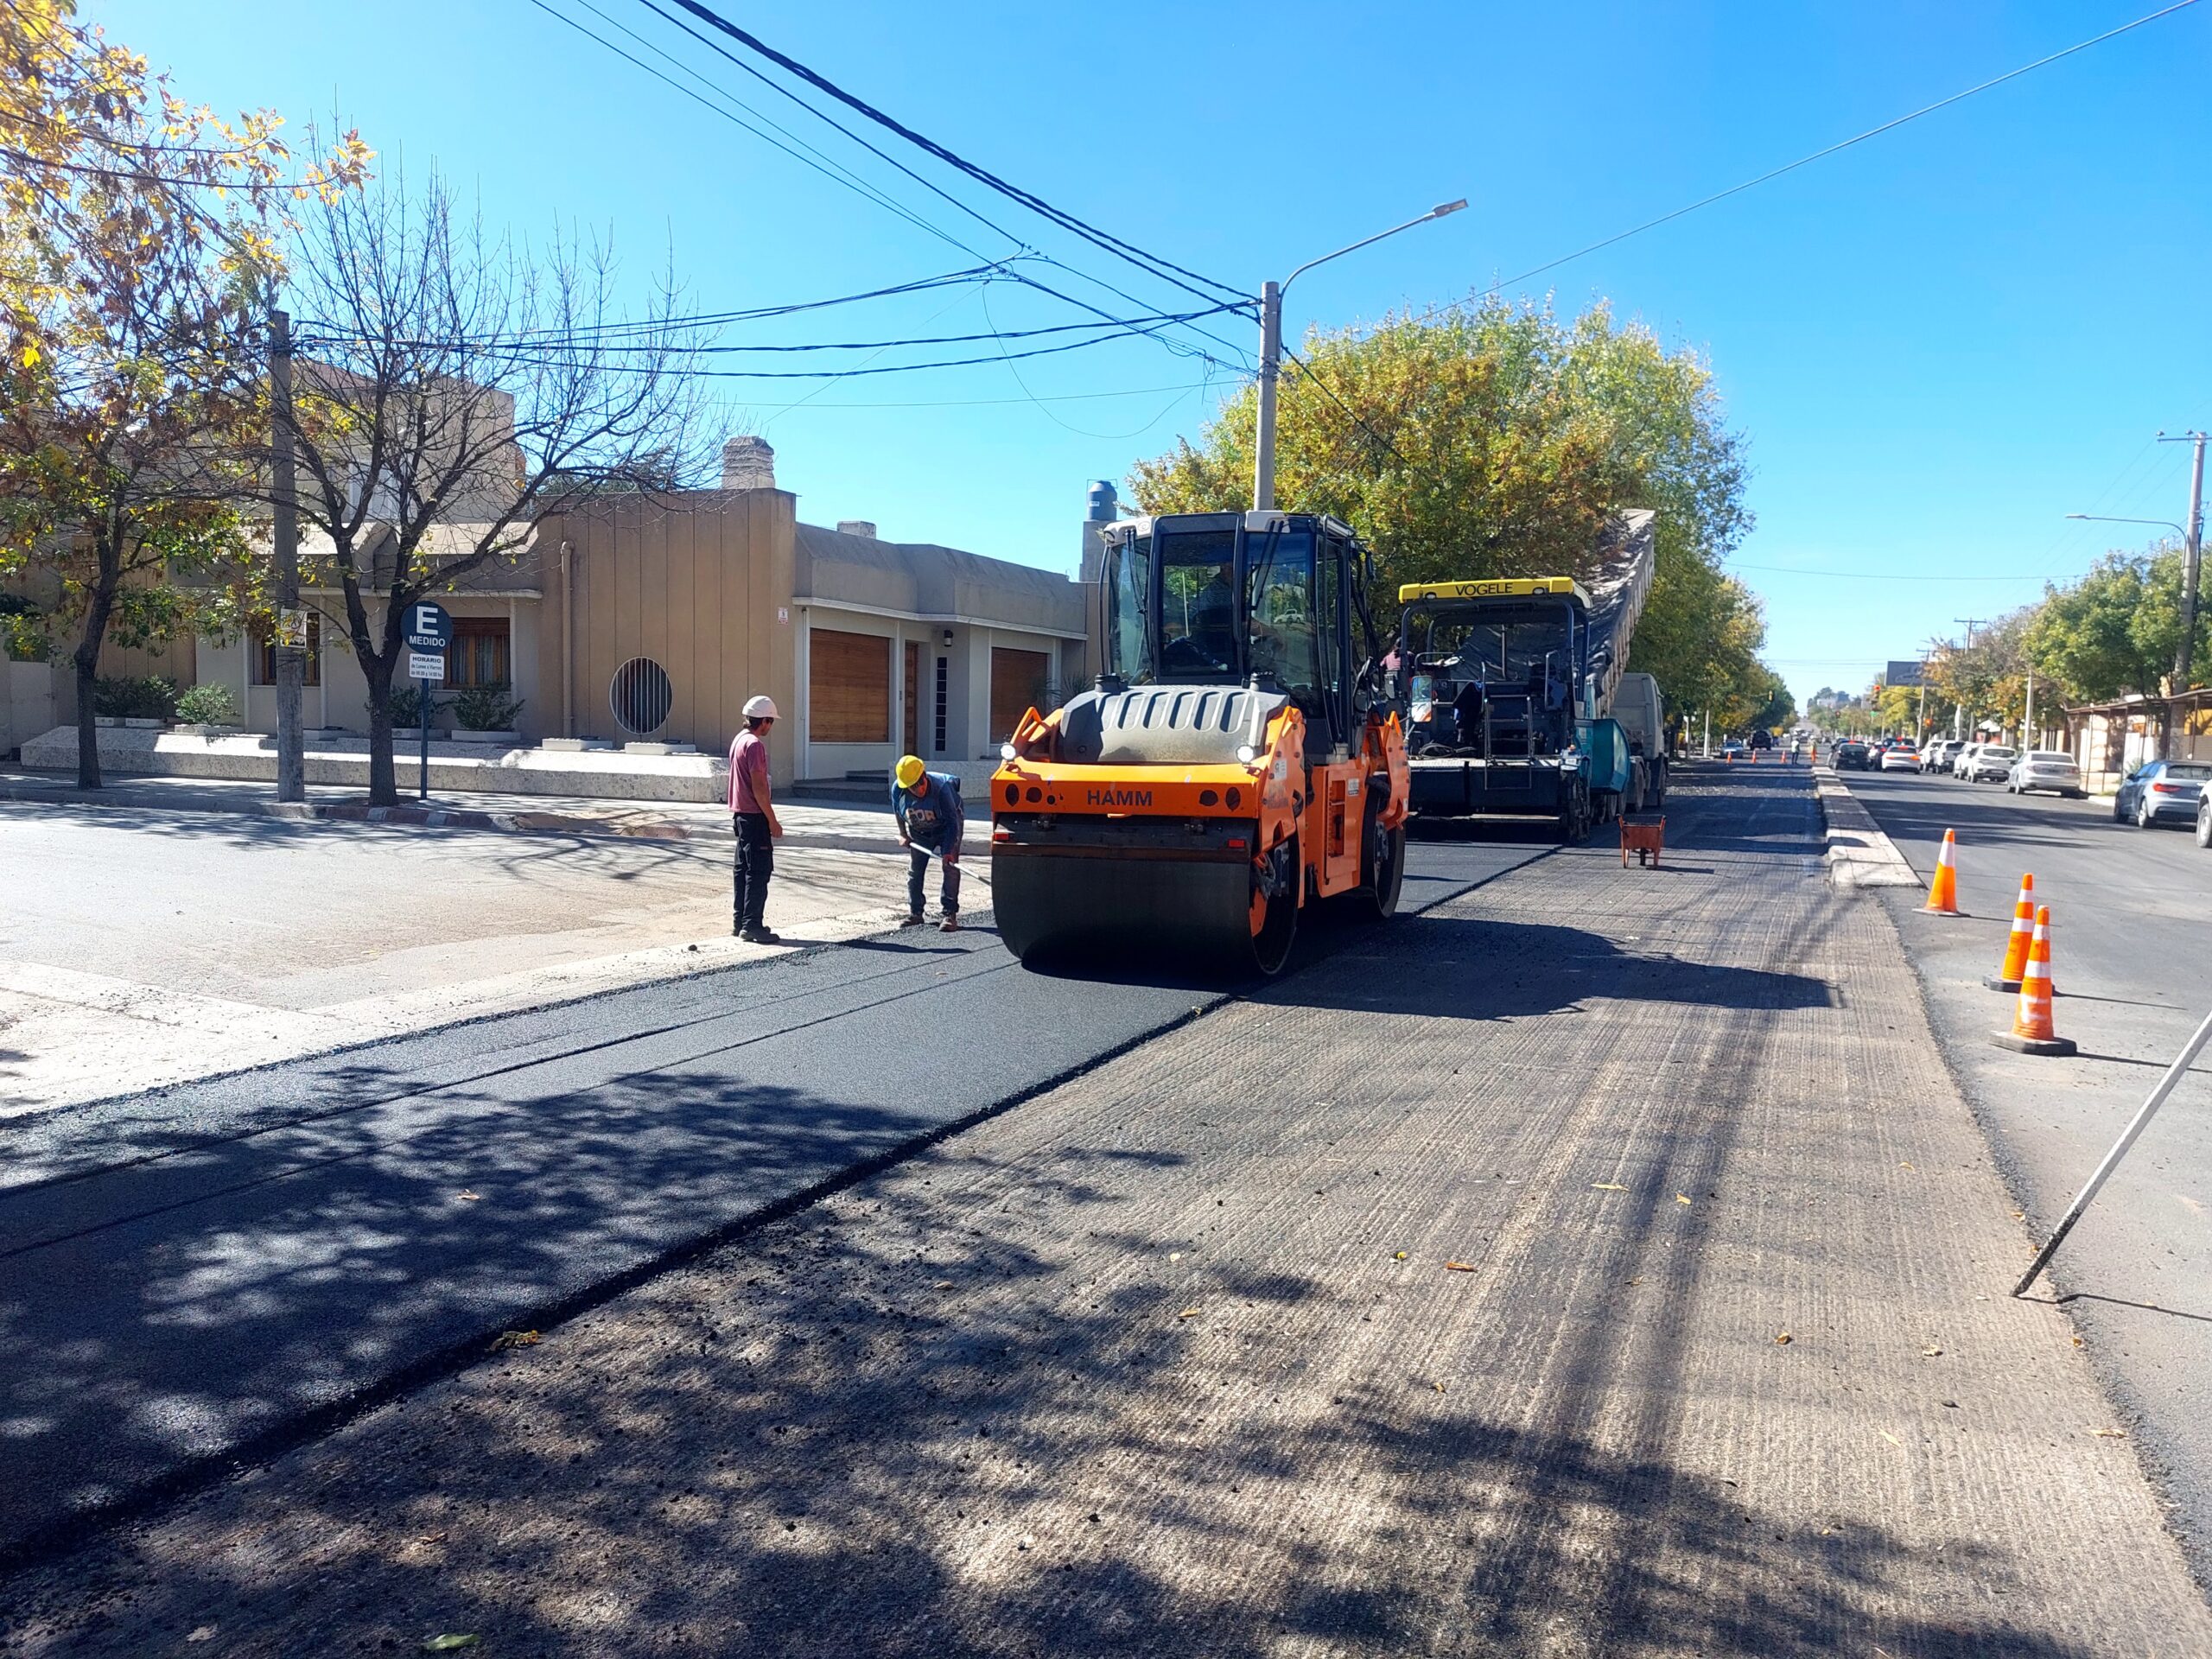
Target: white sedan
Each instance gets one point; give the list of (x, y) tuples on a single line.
[(2051, 769), (1904, 757)]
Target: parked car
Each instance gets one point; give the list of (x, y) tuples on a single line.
[(1960, 756), (2051, 769), (1933, 757), (1853, 756), (1731, 750), (2160, 792), (2204, 819), (1900, 756), (1991, 763)]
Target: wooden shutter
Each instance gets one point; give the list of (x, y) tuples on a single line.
[(848, 687), (1018, 680)]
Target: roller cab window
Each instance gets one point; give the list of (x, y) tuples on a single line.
[(1284, 641), (1200, 618), (1127, 575)]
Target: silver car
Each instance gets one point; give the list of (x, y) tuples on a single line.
[(1989, 763), (2051, 769)]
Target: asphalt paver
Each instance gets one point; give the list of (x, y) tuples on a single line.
[(1600, 1263), (194, 1276)]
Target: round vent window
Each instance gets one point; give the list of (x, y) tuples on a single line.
[(641, 696)]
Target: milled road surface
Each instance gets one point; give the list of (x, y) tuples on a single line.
[(2131, 916), (187, 1274), (1600, 1263)]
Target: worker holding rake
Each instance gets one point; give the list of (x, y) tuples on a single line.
[(931, 819)]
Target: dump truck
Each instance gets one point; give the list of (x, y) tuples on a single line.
[(1510, 685), (1238, 761)]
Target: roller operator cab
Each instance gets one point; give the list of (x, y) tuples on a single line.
[(1237, 761)]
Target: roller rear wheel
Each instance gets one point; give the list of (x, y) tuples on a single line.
[(1276, 874)]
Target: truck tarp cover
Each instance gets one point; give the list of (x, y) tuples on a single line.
[(1617, 578)]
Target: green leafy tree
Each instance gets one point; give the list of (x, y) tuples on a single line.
[(1494, 439), (2092, 640), (129, 397)]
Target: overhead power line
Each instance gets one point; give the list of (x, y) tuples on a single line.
[(1844, 144), (1166, 269), (1870, 576), (839, 174), (549, 357)]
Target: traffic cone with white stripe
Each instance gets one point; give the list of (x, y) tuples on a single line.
[(2007, 978), (1943, 890), (2032, 1032)]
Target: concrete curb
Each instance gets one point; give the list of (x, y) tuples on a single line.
[(1858, 854), (427, 817)]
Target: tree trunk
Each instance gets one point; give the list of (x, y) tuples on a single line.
[(99, 605), (384, 786)]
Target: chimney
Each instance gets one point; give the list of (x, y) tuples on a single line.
[(864, 528), (748, 464)]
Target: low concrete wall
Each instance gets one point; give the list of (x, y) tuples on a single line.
[(609, 774)]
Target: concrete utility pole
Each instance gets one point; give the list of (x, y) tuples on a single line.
[(1263, 447), (2192, 552), (1969, 623), (290, 636)]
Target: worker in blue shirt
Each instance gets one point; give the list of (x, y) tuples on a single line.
[(927, 805)]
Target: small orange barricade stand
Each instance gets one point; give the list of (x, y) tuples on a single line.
[(1943, 890), (2007, 977), (1644, 837), (2032, 1032)]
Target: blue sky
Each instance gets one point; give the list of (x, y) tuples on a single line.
[(1938, 343)]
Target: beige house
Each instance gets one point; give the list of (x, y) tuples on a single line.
[(648, 619)]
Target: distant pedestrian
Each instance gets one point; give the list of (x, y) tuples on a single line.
[(753, 817), (927, 805)]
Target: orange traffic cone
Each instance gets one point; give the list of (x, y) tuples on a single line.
[(2007, 978), (2032, 1032), (1943, 890)]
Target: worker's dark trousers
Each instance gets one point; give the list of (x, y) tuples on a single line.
[(756, 862), (918, 865)]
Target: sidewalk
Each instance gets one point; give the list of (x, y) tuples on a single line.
[(579, 815), (1602, 1263), (178, 930)]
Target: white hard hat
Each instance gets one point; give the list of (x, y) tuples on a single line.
[(760, 709)]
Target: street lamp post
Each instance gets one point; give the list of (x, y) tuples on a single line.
[(1263, 462)]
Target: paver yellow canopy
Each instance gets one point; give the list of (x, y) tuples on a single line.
[(1239, 760)]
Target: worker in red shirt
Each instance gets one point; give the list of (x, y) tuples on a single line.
[(753, 817)]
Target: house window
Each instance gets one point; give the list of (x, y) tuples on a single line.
[(261, 653), (944, 675), (848, 687), (480, 653)]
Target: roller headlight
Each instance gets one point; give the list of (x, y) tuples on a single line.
[(1006, 751), (1246, 753)]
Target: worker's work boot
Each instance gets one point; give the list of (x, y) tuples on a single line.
[(949, 925), (759, 936), (911, 921)]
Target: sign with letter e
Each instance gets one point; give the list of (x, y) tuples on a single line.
[(428, 627)]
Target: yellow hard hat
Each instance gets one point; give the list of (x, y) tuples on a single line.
[(910, 770)]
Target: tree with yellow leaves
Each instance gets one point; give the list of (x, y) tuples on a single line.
[(138, 241)]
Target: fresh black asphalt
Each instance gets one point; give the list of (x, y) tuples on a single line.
[(193, 1278)]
